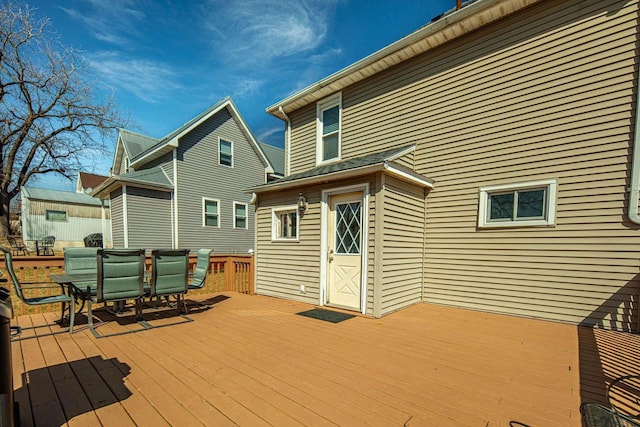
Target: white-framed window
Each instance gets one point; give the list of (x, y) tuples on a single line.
[(225, 152), (240, 216), (54, 215), (328, 139), (210, 212), (284, 223), (518, 205)]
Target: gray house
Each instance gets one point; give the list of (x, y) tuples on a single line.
[(185, 189)]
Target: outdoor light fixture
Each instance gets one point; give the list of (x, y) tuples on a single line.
[(302, 203)]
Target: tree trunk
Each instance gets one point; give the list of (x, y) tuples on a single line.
[(5, 211)]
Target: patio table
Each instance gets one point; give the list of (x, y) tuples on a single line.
[(70, 283)]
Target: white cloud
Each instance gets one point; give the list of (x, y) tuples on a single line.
[(111, 21), (265, 134), (259, 30), (149, 80)]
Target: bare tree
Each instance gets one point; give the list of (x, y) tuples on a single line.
[(51, 120)]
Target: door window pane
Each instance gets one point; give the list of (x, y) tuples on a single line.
[(348, 228)]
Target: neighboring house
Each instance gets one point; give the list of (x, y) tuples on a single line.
[(88, 181), (66, 215), (483, 161), (275, 156), (186, 189)]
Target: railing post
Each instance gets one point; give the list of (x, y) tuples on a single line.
[(229, 274)]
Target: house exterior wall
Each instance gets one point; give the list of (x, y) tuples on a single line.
[(283, 266), (402, 243), (546, 93), (200, 175), (117, 219), (148, 218)]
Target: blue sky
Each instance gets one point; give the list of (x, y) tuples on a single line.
[(165, 61)]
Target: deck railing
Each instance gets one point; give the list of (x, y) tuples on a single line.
[(226, 273)]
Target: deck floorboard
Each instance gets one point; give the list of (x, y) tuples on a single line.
[(251, 361)]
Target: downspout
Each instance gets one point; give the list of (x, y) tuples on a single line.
[(287, 141), (635, 163)]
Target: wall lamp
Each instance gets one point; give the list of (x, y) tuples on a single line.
[(302, 203)]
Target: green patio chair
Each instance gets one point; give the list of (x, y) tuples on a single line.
[(82, 261), (202, 269), (120, 277), (67, 301), (170, 275)]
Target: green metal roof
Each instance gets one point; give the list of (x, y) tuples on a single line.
[(33, 193)]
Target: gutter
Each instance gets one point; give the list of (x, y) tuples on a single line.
[(288, 141), (635, 163)]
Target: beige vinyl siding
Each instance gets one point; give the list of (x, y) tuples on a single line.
[(403, 240), (117, 226), (281, 267), (547, 93), (303, 128)]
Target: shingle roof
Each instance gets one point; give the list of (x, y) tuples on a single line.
[(90, 180), (275, 156), (339, 169), (136, 143), (154, 176)]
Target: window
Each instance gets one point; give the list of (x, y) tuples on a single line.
[(518, 205), (239, 215), (210, 213), (284, 223), (328, 139), (225, 153), (51, 215)]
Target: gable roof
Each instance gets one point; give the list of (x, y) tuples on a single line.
[(143, 149), (90, 180), (358, 166), (448, 27), (275, 156), (33, 193)]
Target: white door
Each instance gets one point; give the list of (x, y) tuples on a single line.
[(345, 246)]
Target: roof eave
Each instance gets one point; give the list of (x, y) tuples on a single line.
[(104, 190), (448, 28), (345, 174)]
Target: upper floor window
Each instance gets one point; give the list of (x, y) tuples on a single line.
[(225, 153), (329, 113), (518, 205), (240, 215), (210, 212)]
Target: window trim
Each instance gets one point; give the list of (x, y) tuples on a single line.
[(246, 207), (321, 106), (220, 140), (550, 202), (204, 212), (275, 223), (56, 211)]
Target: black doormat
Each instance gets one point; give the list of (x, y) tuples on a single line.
[(326, 315)]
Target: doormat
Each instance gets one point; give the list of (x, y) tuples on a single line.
[(326, 315)]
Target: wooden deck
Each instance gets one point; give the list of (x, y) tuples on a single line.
[(251, 361)]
